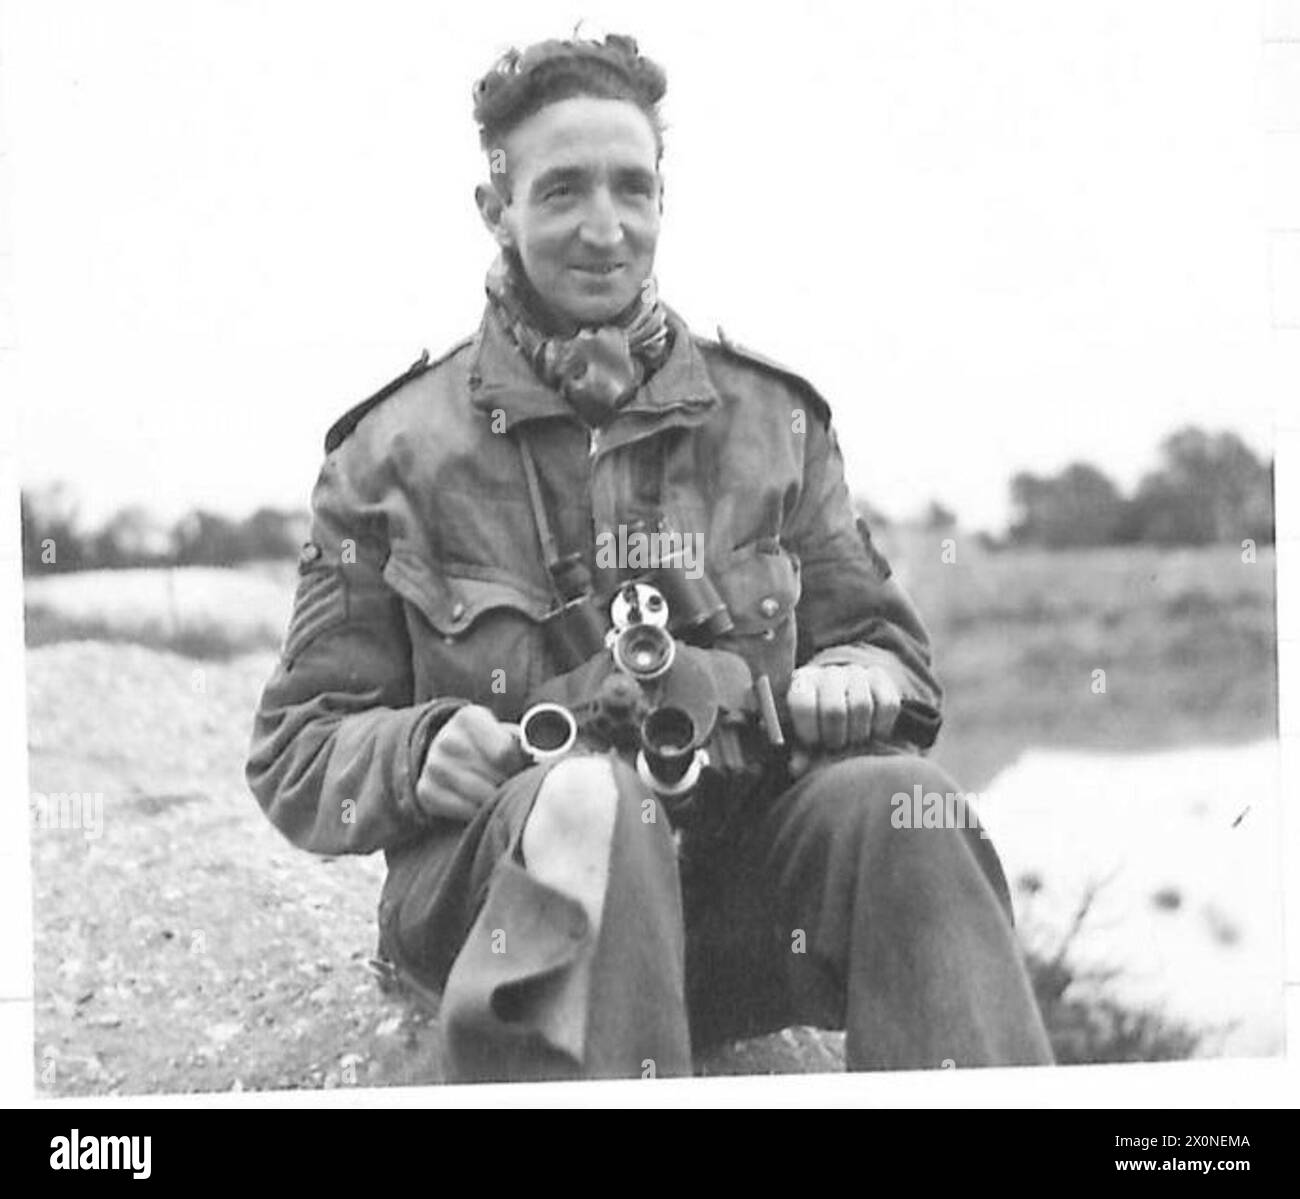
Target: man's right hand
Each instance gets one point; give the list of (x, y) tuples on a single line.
[(471, 756)]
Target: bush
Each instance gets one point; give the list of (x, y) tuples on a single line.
[(1087, 1027)]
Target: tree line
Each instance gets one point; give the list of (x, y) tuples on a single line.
[(1207, 487), (54, 538)]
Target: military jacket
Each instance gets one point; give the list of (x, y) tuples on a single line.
[(424, 584)]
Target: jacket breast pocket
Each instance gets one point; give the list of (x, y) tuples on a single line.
[(761, 585), (476, 634)]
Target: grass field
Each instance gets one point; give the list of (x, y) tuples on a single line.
[(1186, 638)]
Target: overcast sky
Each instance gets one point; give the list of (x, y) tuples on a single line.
[(995, 235)]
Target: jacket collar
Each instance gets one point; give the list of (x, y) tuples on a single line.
[(501, 379)]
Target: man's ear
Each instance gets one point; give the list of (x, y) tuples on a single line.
[(492, 208)]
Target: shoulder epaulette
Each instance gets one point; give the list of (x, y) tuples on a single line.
[(775, 368), (342, 428)]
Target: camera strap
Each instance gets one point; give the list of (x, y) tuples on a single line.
[(550, 550), (649, 466)]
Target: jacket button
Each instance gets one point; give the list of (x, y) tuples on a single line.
[(457, 610), (769, 606)]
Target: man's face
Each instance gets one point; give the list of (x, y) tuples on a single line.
[(584, 206)]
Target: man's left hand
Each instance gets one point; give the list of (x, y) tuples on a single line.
[(838, 707)]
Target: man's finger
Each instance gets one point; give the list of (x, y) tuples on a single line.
[(507, 753), (861, 706), (495, 741), (437, 801), (832, 707), (452, 790), (888, 703), (479, 723), (461, 736), (801, 699)]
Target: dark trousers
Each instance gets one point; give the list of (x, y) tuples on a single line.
[(823, 906)]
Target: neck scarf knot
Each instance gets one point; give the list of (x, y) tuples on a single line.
[(597, 368)]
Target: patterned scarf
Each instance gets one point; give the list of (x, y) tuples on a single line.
[(595, 369)]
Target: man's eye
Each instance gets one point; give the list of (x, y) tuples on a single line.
[(557, 191)]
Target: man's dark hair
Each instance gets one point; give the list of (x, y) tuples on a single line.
[(521, 83)]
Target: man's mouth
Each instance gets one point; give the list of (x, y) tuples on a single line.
[(600, 269)]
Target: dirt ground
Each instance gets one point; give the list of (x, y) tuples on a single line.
[(181, 944)]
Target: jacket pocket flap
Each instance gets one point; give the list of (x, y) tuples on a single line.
[(761, 588), (453, 602)]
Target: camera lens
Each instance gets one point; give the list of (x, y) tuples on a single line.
[(667, 741), (644, 650), (668, 729), (547, 730)]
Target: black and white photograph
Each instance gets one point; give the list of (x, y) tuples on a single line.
[(610, 542)]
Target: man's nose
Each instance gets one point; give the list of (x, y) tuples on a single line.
[(601, 225)]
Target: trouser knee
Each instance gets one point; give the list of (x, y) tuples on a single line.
[(901, 814), (586, 799), (577, 795), (855, 794)]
